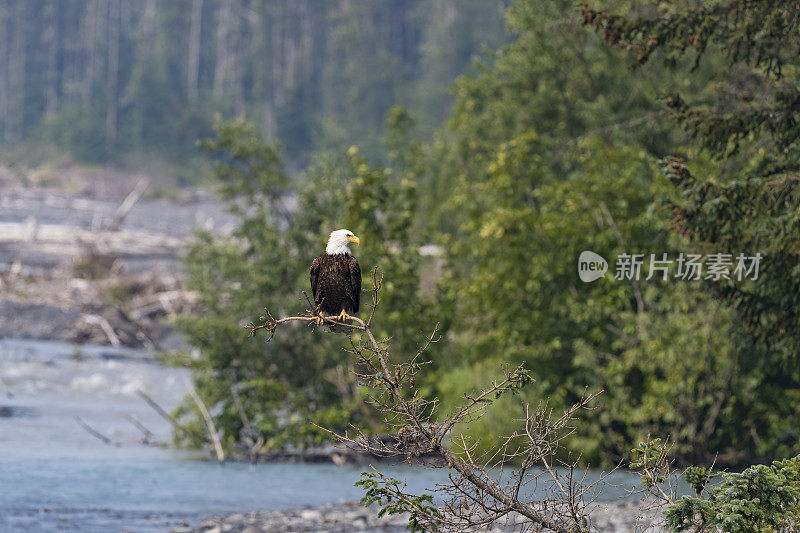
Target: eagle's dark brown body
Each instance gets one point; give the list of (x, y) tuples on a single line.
[(336, 283)]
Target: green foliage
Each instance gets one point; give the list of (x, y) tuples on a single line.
[(756, 33), (300, 376), (517, 380), (648, 456), (682, 516), (746, 120), (387, 493), (760, 498), (697, 477), (537, 161)]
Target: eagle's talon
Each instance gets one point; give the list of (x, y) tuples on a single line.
[(319, 319), (343, 316)]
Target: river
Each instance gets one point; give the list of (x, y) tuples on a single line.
[(56, 476)]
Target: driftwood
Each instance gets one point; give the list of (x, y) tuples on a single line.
[(105, 325), (70, 268), (160, 410), (127, 204), (85, 258), (62, 239), (94, 433), (148, 438), (161, 303), (212, 429)]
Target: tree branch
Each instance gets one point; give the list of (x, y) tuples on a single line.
[(483, 499)]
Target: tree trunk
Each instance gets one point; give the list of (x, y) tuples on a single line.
[(113, 72), (290, 46), (90, 26), (277, 25), (193, 71), (52, 31), (4, 71), (223, 53), (146, 40), (242, 55), (16, 80)]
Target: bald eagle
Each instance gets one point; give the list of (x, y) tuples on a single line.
[(336, 277)]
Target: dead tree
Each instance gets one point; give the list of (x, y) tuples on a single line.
[(519, 484)]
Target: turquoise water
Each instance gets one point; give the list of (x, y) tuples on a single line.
[(150, 494), (159, 494)]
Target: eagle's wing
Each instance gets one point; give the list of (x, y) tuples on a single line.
[(315, 278), (355, 282)]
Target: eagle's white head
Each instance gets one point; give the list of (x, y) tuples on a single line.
[(339, 242)]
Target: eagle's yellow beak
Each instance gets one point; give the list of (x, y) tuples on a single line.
[(354, 239)]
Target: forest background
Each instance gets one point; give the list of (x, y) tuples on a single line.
[(477, 148)]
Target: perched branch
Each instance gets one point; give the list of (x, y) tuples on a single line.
[(480, 493), (270, 323)]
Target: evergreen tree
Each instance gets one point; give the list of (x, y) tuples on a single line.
[(747, 122), (543, 162)]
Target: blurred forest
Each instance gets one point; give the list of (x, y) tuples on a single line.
[(108, 79), (476, 148)]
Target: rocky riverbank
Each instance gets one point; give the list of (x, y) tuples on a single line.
[(85, 267), (332, 517), (607, 517)]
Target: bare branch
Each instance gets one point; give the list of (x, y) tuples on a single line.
[(480, 493)]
